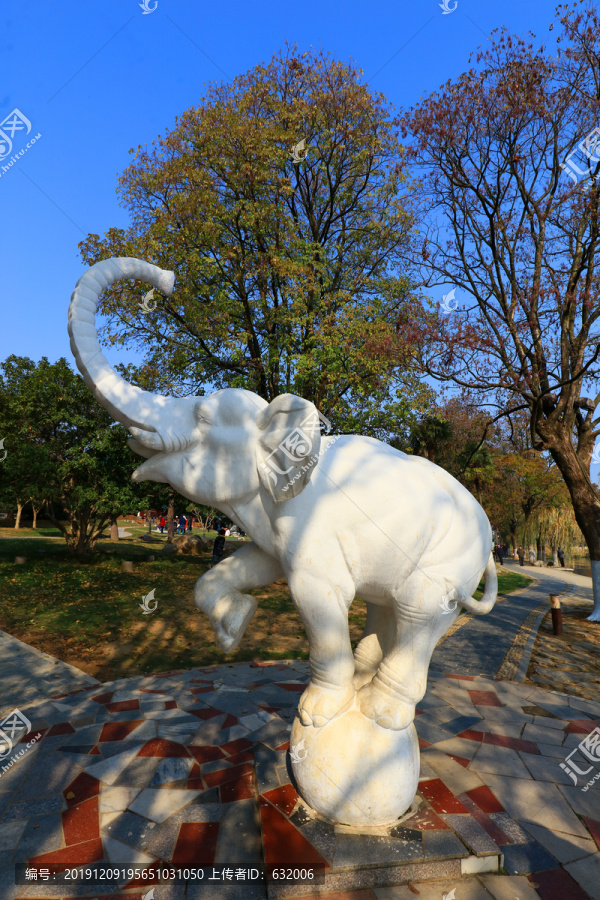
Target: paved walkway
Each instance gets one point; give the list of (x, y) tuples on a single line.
[(480, 646), (189, 769)]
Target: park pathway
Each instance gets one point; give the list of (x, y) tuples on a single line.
[(480, 646)]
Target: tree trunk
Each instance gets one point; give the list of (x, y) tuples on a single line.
[(171, 517), (555, 555), (19, 511), (36, 510), (586, 507), (538, 542), (114, 529)]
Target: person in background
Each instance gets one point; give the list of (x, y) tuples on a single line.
[(161, 524), (521, 555), (182, 524), (561, 557), (190, 522), (499, 554), (218, 548)]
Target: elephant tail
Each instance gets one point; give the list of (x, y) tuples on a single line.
[(490, 594)]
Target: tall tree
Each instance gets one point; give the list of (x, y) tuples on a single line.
[(509, 224), (287, 257)]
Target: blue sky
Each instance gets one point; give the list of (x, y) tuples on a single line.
[(96, 79)]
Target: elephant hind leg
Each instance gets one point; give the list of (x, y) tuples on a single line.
[(378, 637), (401, 679)]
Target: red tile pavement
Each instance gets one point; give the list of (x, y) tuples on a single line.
[(492, 829), (500, 740), (556, 884), (213, 779), (82, 822), (581, 726), (465, 763), (246, 756), (285, 746), (208, 713), (28, 737), (503, 740), (123, 706), (283, 844), (206, 754), (117, 731), (104, 698), (81, 788), (240, 789), (594, 829), (94, 752), (233, 747), (61, 728), (484, 698), (296, 688), (162, 747), (470, 735), (462, 677), (196, 844), (171, 704), (271, 709), (284, 798), (441, 798), (205, 689), (230, 721), (485, 799), (423, 744), (425, 820), (75, 855)]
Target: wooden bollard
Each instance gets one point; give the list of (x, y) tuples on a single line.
[(556, 614), (126, 565)]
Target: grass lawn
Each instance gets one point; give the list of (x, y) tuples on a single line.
[(88, 614)]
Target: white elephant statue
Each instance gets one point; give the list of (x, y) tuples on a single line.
[(336, 516)]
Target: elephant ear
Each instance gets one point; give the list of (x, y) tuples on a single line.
[(288, 445)]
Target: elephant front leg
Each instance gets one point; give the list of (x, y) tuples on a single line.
[(219, 593), (324, 613)]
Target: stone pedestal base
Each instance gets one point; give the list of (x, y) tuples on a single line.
[(354, 772)]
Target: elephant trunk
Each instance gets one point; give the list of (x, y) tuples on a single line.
[(138, 410)]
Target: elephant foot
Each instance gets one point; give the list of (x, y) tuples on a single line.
[(230, 617), (318, 704), (386, 709)]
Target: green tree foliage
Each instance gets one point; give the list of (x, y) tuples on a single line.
[(63, 444), (287, 272)]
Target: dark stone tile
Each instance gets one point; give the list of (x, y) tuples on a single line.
[(34, 808), (240, 891), (521, 859), (239, 834), (131, 829), (455, 726), (139, 772), (472, 833), (406, 834), (41, 835), (443, 844), (367, 850), (265, 766), (113, 748), (320, 834)]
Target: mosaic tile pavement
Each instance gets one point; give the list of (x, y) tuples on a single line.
[(190, 768)]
